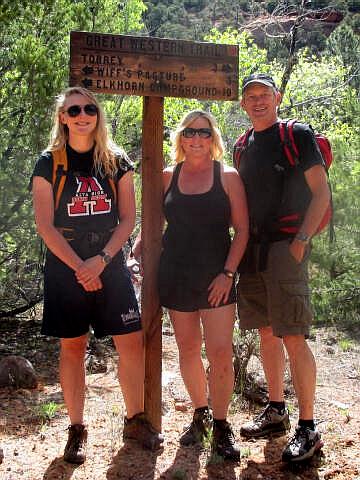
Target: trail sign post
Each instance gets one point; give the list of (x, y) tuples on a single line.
[(153, 68)]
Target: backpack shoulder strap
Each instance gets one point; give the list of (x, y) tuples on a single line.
[(286, 129), (239, 147), (60, 167)]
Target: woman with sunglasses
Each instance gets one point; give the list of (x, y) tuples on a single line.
[(86, 282), (202, 199)]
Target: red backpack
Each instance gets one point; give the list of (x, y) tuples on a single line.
[(286, 128)]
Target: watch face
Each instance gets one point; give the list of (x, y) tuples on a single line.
[(302, 237), (107, 259)]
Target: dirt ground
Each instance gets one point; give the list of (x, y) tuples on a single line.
[(33, 444)]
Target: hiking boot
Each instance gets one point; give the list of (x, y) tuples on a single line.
[(75, 447), (223, 441), (269, 421), (198, 429), (302, 445), (140, 429)]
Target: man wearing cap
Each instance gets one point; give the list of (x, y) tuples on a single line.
[(273, 293)]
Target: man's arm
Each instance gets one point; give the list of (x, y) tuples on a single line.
[(316, 179)]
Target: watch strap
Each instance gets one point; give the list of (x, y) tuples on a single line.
[(302, 237)]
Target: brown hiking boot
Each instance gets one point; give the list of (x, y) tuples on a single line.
[(223, 441), (197, 431), (140, 429), (75, 447)]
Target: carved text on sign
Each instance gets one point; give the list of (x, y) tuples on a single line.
[(153, 67)]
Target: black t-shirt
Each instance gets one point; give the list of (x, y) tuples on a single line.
[(273, 187), (87, 201)]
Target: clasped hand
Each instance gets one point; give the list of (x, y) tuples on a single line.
[(88, 274), (219, 290)]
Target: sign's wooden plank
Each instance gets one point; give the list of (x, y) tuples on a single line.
[(149, 66), (151, 233)]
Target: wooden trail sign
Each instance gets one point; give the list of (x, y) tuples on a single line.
[(154, 68), (149, 66)]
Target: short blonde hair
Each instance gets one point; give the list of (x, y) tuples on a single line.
[(217, 144), (105, 151)]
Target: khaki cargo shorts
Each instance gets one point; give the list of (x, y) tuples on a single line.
[(279, 296)]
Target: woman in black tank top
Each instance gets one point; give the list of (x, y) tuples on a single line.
[(197, 267)]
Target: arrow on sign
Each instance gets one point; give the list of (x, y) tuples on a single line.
[(87, 82), (88, 70)]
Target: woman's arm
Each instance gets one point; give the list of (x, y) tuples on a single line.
[(43, 202), (220, 287), (94, 266), (136, 249), (239, 219)]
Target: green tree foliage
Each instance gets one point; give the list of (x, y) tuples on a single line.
[(344, 44)]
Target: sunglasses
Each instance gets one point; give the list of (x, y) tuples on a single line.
[(202, 132), (75, 110)]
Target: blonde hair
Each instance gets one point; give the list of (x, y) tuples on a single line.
[(105, 151), (217, 145)]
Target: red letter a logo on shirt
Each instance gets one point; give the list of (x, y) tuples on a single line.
[(90, 198)]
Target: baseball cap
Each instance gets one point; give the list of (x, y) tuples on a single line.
[(258, 78)]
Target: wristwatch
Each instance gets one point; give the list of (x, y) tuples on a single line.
[(106, 258), (302, 237), (228, 273)]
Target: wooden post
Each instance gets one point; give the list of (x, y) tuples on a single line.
[(151, 228)]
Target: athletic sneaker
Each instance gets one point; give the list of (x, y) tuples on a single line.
[(75, 447), (269, 421), (303, 444), (223, 441), (198, 429), (140, 429)]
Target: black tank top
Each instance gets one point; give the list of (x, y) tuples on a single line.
[(197, 230)]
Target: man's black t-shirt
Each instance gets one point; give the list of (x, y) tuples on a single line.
[(87, 202), (273, 187)]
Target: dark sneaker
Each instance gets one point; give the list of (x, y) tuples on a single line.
[(198, 429), (223, 442), (303, 444), (75, 447), (140, 429), (268, 422)]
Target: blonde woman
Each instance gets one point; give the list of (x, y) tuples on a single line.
[(202, 199), (85, 211)]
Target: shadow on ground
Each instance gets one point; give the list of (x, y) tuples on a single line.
[(59, 470), (131, 462)]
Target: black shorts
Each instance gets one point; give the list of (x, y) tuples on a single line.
[(69, 310), (184, 288)]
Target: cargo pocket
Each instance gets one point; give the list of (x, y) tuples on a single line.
[(296, 303)]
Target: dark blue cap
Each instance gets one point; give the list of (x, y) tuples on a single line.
[(258, 78)]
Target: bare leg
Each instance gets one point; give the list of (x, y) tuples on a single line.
[(303, 371), (189, 339), (131, 370), (218, 324), (72, 376), (273, 361)]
